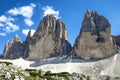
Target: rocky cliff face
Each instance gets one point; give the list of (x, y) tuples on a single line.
[(50, 39), (117, 40), (14, 49), (27, 42), (94, 39)]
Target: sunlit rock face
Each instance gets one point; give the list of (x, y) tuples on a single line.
[(14, 49), (50, 39), (94, 40)]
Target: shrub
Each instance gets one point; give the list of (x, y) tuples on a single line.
[(33, 78), (30, 70), (107, 78), (7, 63)]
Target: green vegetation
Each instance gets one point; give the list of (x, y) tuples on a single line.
[(107, 78), (34, 74), (7, 63), (40, 75)]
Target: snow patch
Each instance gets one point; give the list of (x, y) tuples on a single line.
[(108, 66)]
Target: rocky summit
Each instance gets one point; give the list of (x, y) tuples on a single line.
[(94, 40), (50, 39), (14, 49)]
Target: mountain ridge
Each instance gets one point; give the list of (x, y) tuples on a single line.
[(51, 40)]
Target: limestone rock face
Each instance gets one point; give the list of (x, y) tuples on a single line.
[(50, 39), (13, 49), (94, 40), (117, 40), (28, 38)]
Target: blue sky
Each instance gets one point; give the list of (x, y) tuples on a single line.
[(20, 16)]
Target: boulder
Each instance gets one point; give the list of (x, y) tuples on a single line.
[(94, 40), (7, 75)]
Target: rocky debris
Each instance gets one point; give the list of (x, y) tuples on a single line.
[(7, 75), (117, 40), (18, 78), (94, 40), (12, 72), (49, 40), (77, 76), (13, 49)]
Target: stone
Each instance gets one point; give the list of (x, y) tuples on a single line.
[(18, 78), (7, 75), (49, 40), (13, 49), (94, 40)]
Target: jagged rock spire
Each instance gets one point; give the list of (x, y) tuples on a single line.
[(6, 49), (94, 39), (50, 39), (13, 49)]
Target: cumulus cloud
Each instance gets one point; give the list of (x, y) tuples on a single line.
[(7, 25), (50, 10), (28, 22), (2, 34), (8, 22), (25, 11), (10, 27), (1, 25), (25, 31), (3, 18)]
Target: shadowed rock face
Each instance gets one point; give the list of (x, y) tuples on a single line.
[(14, 49), (94, 39), (50, 39), (117, 40)]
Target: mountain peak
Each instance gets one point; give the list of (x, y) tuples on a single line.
[(94, 37)]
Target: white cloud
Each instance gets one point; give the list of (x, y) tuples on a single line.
[(10, 19), (1, 25), (7, 24), (25, 31), (33, 5), (25, 11), (10, 27), (2, 34), (50, 10), (28, 22), (3, 18)]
